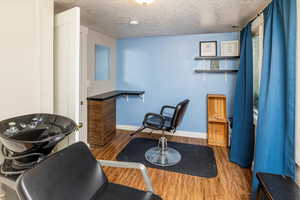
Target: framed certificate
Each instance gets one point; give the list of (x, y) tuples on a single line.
[(230, 48), (208, 48)]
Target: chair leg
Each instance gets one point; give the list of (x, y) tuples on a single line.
[(163, 143), (162, 155)]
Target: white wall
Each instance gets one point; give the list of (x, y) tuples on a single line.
[(26, 57), (96, 87)]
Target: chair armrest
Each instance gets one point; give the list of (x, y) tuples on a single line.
[(130, 165), (166, 107), (161, 122)]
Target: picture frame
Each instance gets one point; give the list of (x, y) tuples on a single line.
[(230, 48), (208, 48)]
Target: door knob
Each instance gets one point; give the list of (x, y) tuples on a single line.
[(79, 126)]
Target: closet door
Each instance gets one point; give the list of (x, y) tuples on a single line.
[(67, 76)]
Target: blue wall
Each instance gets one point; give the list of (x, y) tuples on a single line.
[(164, 68), (102, 56)]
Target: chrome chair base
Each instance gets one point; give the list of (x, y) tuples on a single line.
[(162, 155), (170, 157)]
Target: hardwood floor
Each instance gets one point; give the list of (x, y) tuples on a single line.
[(232, 182)]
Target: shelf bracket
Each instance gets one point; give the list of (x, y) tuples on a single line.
[(126, 97), (142, 96)]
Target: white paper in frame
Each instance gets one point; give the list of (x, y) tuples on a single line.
[(208, 48), (230, 48)]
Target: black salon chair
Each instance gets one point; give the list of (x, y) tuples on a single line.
[(169, 119), (74, 173)]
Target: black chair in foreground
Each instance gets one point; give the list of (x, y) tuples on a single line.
[(74, 173), (168, 120)]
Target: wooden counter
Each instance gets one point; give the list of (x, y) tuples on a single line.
[(102, 116), (114, 94)]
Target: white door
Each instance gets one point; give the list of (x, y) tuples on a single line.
[(83, 83), (67, 68)]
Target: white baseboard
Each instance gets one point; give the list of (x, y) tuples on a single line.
[(177, 133)]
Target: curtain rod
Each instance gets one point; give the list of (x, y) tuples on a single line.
[(257, 15)]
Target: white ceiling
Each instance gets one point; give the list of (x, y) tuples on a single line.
[(163, 17)]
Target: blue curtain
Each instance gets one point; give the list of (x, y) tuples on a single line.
[(242, 140), (275, 137)]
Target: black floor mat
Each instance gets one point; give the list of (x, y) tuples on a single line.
[(196, 160)]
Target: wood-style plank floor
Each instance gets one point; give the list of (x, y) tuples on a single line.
[(232, 182)]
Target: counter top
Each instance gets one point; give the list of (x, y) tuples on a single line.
[(279, 187), (113, 94)]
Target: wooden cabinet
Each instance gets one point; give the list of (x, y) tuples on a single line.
[(102, 116), (101, 121), (217, 120), (217, 134)]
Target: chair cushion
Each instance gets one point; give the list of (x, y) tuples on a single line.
[(72, 173), (114, 191), (155, 121)]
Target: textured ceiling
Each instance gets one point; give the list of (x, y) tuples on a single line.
[(163, 17)]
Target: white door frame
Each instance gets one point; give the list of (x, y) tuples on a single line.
[(83, 83), (67, 68)]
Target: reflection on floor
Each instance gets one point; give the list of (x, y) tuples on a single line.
[(231, 183)]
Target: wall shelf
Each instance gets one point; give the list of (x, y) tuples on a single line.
[(216, 71), (217, 58)]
